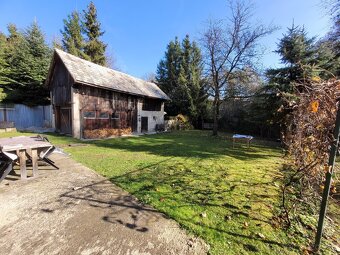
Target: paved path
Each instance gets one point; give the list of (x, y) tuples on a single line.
[(76, 211)]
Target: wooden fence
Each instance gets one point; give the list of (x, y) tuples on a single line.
[(24, 117)]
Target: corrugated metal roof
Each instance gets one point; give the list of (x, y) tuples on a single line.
[(88, 73)]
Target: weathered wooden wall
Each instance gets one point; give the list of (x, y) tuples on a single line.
[(61, 96), (60, 85), (27, 117), (106, 101)]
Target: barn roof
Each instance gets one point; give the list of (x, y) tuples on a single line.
[(88, 73)]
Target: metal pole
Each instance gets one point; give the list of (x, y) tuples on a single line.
[(329, 173)]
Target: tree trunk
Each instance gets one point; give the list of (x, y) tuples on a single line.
[(216, 112), (215, 126)]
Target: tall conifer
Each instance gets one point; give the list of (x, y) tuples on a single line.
[(179, 74), (73, 41), (94, 47), (29, 58)]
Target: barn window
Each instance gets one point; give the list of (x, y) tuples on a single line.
[(151, 105), (115, 116), (103, 115), (90, 115)]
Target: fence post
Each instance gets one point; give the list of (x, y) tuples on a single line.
[(329, 173)]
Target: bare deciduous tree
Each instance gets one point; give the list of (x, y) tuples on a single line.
[(151, 77), (111, 60), (228, 47)]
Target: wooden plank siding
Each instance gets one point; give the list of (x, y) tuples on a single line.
[(103, 101), (60, 87), (90, 98), (23, 116)]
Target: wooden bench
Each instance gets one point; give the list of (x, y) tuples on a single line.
[(6, 163)]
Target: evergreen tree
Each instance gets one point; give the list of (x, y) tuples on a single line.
[(167, 77), (11, 48), (296, 51), (189, 92), (304, 60), (327, 59), (4, 66), (179, 75), (193, 67), (295, 47), (29, 59), (39, 52), (94, 47), (73, 41)]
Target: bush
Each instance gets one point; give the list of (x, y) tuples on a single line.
[(308, 137), (180, 122)]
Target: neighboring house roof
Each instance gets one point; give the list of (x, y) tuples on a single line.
[(88, 73)]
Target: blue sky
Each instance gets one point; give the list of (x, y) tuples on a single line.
[(137, 32)]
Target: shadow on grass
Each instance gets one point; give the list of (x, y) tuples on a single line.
[(187, 144), (193, 143), (181, 186), (239, 236), (254, 238), (193, 189)]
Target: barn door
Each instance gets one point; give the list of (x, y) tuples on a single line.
[(144, 127), (65, 121), (57, 118)]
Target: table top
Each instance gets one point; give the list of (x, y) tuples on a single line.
[(22, 142), (238, 136)]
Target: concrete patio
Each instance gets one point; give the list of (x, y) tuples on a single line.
[(76, 211)]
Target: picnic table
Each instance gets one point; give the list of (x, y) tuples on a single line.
[(24, 149), (248, 138)]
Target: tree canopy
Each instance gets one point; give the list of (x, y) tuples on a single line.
[(81, 36), (94, 47), (304, 59), (179, 75), (25, 63), (25, 55), (73, 41), (228, 48)]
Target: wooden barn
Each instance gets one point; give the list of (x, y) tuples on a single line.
[(92, 101)]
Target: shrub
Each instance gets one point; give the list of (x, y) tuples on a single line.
[(308, 138), (180, 122)]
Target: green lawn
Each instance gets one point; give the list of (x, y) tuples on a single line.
[(226, 196)]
